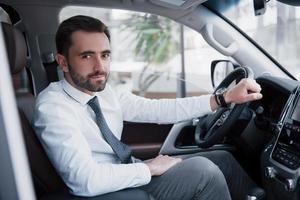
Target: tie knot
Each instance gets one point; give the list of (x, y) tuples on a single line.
[(94, 104)]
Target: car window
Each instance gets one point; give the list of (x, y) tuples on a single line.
[(277, 30), (147, 56)]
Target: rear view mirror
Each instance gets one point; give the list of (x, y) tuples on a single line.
[(219, 70)]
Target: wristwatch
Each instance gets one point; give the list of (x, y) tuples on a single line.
[(219, 97)]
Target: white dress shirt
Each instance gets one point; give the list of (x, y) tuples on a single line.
[(66, 127)]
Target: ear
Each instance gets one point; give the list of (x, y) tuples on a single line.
[(62, 62)]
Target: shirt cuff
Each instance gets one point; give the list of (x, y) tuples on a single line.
[(205, 103), (143, 172)]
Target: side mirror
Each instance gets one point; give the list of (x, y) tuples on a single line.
[(219, 70), (259, 7)]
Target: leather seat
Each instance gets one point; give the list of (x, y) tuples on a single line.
[(47, 183)]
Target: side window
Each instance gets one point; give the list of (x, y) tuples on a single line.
[(153, 56), (198, 56)]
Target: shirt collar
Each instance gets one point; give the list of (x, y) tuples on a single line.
[(75, 94)]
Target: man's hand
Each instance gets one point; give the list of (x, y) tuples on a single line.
[(161, 164), (246, 90)]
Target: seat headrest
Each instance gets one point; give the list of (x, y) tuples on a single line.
[(16, 47)]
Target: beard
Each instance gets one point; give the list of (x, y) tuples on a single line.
[(85, 82)]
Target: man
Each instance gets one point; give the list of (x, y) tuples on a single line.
[(82, 137)]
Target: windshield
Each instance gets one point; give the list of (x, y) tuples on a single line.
[(277, 31)]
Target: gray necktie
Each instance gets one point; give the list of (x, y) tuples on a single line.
[(121, 149)]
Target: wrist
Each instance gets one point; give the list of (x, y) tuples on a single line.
[(221, 97), (151, 168), (227, 97), (213, 102)]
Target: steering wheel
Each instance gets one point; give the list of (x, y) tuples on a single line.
[(214, 127)]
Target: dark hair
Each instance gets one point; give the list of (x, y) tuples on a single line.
[(77, 23)]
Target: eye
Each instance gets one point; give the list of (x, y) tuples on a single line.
[(86, 56), (106, 55)]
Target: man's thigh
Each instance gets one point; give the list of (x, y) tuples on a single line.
[(193, 178), (239, 183)]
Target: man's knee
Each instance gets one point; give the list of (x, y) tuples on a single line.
[(204, 169), (211, 183), (221, 158)]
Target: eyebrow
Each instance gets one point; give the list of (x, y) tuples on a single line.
[(93, 52)]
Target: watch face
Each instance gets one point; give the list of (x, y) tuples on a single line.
[(221, 90), (220, 97)]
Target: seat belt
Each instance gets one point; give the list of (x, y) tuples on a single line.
[(50, 66)]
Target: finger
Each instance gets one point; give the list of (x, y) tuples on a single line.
[(176, 158), (159, 156), (253, 86), (175, 161), (253, 97)]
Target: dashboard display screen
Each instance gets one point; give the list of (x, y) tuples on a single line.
[(290, 139)]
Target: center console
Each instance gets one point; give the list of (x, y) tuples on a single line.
[(281, 158), (287, 149)]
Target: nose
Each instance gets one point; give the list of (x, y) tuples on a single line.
[(100, 64)]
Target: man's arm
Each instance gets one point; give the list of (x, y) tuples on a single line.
[(139, 109), (163, 111), (71, 155)]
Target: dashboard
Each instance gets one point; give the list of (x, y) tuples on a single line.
[(280, 160), (275, 97)]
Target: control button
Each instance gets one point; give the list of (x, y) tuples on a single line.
[(220, 122), (270, 172), (290, 185), (286, 158), (195, 121)]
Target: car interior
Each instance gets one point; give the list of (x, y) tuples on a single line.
[(262, 135)]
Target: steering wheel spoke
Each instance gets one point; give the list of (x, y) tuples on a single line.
[(220, 117)]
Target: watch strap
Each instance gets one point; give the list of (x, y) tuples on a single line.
[(217, 100), (221, 99)]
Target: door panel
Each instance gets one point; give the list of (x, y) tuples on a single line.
[(145, 139)]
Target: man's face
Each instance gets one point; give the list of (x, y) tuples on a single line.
[(88, 62)]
